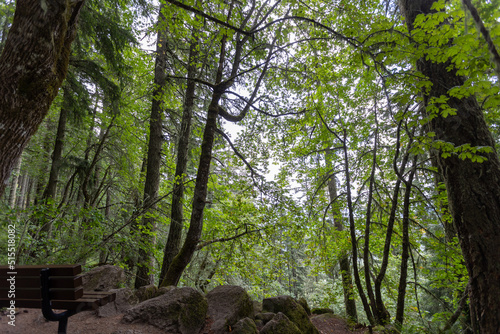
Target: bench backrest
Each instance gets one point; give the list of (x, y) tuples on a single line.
[(23, 284)]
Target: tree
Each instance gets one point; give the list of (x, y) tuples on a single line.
[(473, 187), (33, 65), (155, 143), (345, 267), (232, 50)]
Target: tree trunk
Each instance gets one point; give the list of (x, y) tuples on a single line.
[(21, 199), (405, 253), (392, 218), (182, 259), (352, 230), (50, 189), (152, 182), (473, 188), (345, 267), (13, 184), (176, 218), (33, 66)]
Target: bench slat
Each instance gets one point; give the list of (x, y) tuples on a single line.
[(81, 304), (103, 297), (87, 302), (59, 282), (35, 293), (55, 270)]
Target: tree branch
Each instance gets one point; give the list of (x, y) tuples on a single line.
[(211, 18), (209, 242)]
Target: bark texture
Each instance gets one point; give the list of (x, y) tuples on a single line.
[(473, 188), (50, 189), (177, 213), (152, 182), (345, 267), (33, 66), (182, 259)]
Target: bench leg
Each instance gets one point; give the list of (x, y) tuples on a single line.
[(46, 307), (63, 325)]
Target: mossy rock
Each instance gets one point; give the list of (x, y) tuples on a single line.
[(245, 326), (303, 302), (227, 304), (322, 310), (180, 310), (146, 292), (280, 324), (293, 310), (265, 316)]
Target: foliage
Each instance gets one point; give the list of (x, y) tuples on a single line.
[(340, 99)]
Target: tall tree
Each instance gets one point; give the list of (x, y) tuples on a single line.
[(33, 65), (152, 181), (473, 188), (233, 46), (176, 217), (345, 267)]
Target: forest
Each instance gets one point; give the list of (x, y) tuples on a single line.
[(341, 151)]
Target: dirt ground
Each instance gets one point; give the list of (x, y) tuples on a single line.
[(31, 321)]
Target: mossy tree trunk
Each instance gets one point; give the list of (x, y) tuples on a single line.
[(152, 182), (473, 188), (33, 65)]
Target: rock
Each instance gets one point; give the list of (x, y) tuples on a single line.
[(293, 310), (125, 299), (303, 302), (280, 325), (265, 317), (245, 326), (151, 291), (226, 305), (104, 278), (257, 307), (179, 310), (337, 322), (146, 292), (322, 310)]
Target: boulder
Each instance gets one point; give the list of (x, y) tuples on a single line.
[(151, 291), (179, 310), (245, 326), (322, 310), (257, 307), (265, 317), (280, 325), (226, 305), (104, 278), (125, 299), (292, 309), (259, 323), (303, 302), (341, 324)]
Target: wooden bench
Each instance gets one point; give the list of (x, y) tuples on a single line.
[(49, 287)]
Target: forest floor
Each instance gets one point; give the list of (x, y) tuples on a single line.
[(29, 321)]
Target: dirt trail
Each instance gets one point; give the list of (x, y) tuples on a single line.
[(31, 321)]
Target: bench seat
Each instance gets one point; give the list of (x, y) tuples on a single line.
[(60, 284)]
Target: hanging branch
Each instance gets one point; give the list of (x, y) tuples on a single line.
[(209, 242), (461, 305), (238, 154), (495, 57), (209, 17), (352, 229)]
